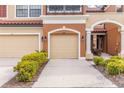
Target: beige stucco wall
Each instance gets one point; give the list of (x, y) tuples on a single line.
[(22, 30), (11, 14), (96, 17)]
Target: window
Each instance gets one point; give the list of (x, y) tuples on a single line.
[(72, 8), (35, 10), (64, 8), (28, 11), (91, 6), (56, 8), (96, 6), (22, 11), (119, 8), (3, 11), (99, 6)]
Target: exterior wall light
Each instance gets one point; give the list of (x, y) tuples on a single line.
[(82, 38), (44, 38)]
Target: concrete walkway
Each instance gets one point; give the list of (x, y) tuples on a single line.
[(6, 69), (71, 73)]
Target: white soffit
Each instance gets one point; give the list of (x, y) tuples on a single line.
[(64, 19)]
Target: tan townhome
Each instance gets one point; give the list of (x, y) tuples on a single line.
[(65, 31)]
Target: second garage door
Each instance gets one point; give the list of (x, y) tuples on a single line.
[(64, 46), (17, 45)]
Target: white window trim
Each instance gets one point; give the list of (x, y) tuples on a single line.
[(28, 13), (42, 8), (6, 13), (64, 11), (38, 34)]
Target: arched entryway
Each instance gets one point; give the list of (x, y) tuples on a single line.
[(106, 38), (107, 35), (64, 43)]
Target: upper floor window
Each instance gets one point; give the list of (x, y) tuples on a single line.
[(56, 8), (63, 8), (3, 11), (97, 7), (35, 10), (72, 8), (22, 11), (28, 11), (119, 8)]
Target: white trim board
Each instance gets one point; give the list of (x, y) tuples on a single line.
[(60, 29), (38, 34), (64, 19)]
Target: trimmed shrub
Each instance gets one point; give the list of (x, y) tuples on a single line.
[(45, 53), (113, 65), (113, 68), (26, 70), (29, 65), (115, 57), (121, 66), (40, 57), (110, 60), (99, 60)]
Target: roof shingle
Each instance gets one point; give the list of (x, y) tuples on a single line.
[(21, 22)]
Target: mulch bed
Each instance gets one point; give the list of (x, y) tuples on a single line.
[(13, 83), (117, 80)]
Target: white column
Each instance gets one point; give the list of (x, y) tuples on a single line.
[(89, 55), (88, 44), (122, 43)]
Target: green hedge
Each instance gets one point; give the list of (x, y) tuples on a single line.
[(115, 57), (99, 60), (114, 65), (40, 57), (29, 65), (26, 70), (113, 68)]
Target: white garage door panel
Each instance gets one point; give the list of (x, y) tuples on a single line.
[(64, 46), (17, 45)]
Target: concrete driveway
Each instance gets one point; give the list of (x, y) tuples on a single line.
[(71, 73), (6, 69)]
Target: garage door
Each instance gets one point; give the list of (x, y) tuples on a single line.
[(17, 45), (64, 46)]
